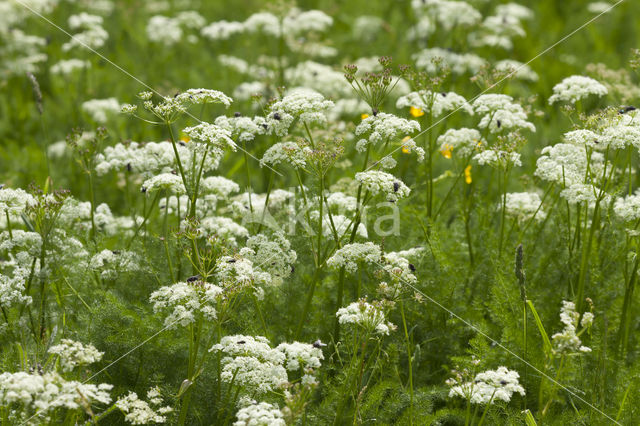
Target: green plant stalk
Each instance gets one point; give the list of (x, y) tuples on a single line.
[(486, 409), (262, 322), (553, 387), (410, 362), (175, 152), (164, 238), (307, 304), (144, 220), (625, 319), (6, 212), (503, 211), (194, 344), (192, 212), (584, 262), (92, 234), (248, 171)]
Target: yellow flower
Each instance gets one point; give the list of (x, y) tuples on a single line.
[(446, 151), (185, 138), (467, 174), (416, 112), (405, 149), (363, 116)]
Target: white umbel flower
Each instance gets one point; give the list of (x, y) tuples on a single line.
[(166, 181), (575, 88), (521, 206), (489, 386), (377, 182), (368, 316), (349, 255), (73, 354), (184, 301), (260, 414)]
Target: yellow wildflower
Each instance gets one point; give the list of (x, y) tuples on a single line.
[(363, 116), (446, 151), (467, 174), (416, 112), (405, 149)]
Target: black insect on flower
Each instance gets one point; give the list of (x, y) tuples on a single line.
[(499, 123), (396, 186), (237, 114), (241, 342), (318, 344), (412, 267), (276, 116), (627, 109), (193, 278), (231, 261)]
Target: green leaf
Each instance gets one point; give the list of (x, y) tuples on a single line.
[(545, 337), (529, 419)]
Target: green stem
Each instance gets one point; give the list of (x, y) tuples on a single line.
[(410, 362)]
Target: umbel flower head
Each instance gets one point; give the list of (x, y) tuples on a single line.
[(377, 182), (575, 88), (369, 316), (487, 387)]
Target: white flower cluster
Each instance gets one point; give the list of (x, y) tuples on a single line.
[(448, 14), (377, 182), (436, 103), (342, 225), (250, 363), (575, 88), (371, 317), (15, 201), (204, 96), (164, 181), (169, 31), (398, 267), (349, 255), (12, 288), (112, 262), (302, 357), (488, 386), (260, 414), (498, 158), (242, 129), (382, 128), (219, 186), (91, 34), (462, 142), (568, 341), (516, 69), (73, 354), (306, 104), (149, 158), (521, 206), (567, 164), (501, 114), (140, 412), (46, 393), (431, 60), (628, 208), (272, 255), (101, 109), (290, 153), (185, 301), (321, 78), (223, 228), (69, 66), (215, 137)]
